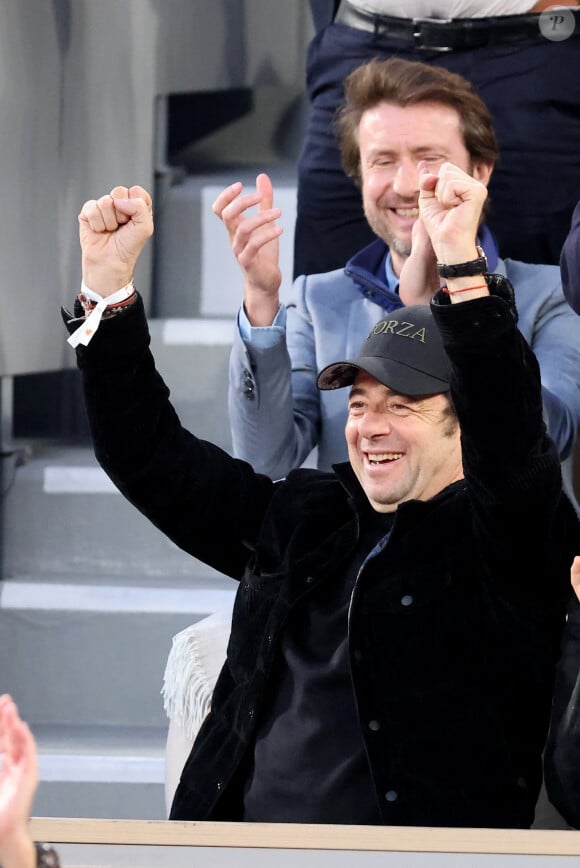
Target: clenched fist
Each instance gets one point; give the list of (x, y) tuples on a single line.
[(113, 231)]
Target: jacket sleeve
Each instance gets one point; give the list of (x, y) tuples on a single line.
[(193, 491), (552, 330), (273, 401), (511, 467), (562, 754), (556, 344), (570, 263)]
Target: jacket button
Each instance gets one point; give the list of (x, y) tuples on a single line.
[(251, 713), (374, 725), (248, 382), (309, 580), (219, 785), (391, 795), (406, 600)]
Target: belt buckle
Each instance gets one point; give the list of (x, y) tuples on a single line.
[(418, 33)]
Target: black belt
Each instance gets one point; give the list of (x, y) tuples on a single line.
[(443, 34)]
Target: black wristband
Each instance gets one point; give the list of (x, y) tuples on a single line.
[(464, 269)]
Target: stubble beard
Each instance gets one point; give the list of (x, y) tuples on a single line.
[(396, 245)]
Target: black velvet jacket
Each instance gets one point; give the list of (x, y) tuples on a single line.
[(458, 683), (562, 754)]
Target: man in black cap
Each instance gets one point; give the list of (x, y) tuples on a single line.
[(401, 379), (397, 621)]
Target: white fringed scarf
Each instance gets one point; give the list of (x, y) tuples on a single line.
[(197, 654)]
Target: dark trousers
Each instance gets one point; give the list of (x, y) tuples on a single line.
[(533, 92)]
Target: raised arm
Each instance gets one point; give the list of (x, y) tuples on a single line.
[(254, 241), (177, 480), (547, 321), (496, 393), (263, 391), (18, 781), (450, 206)]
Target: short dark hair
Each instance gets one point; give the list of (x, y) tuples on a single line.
[(408, 82)]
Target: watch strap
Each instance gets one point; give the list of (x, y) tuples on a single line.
[(464, 269)]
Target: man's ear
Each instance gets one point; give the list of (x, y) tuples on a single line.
[(482, 172)]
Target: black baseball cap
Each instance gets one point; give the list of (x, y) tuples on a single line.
[(403, 351)]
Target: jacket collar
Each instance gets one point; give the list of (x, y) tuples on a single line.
[(367, 269)]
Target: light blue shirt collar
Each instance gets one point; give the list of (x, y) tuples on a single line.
[(391, 278)]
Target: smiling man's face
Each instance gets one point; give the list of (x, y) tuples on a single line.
[(392, 141), (400, 447)]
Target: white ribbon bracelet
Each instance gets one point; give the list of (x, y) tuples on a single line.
[(85, 332)]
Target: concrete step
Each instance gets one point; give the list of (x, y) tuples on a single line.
[(197, 274), (89, 682), (77, 668), (63, 516), (84, 656), (99, 771), (139, 800), (192, 355), (92, 595)]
